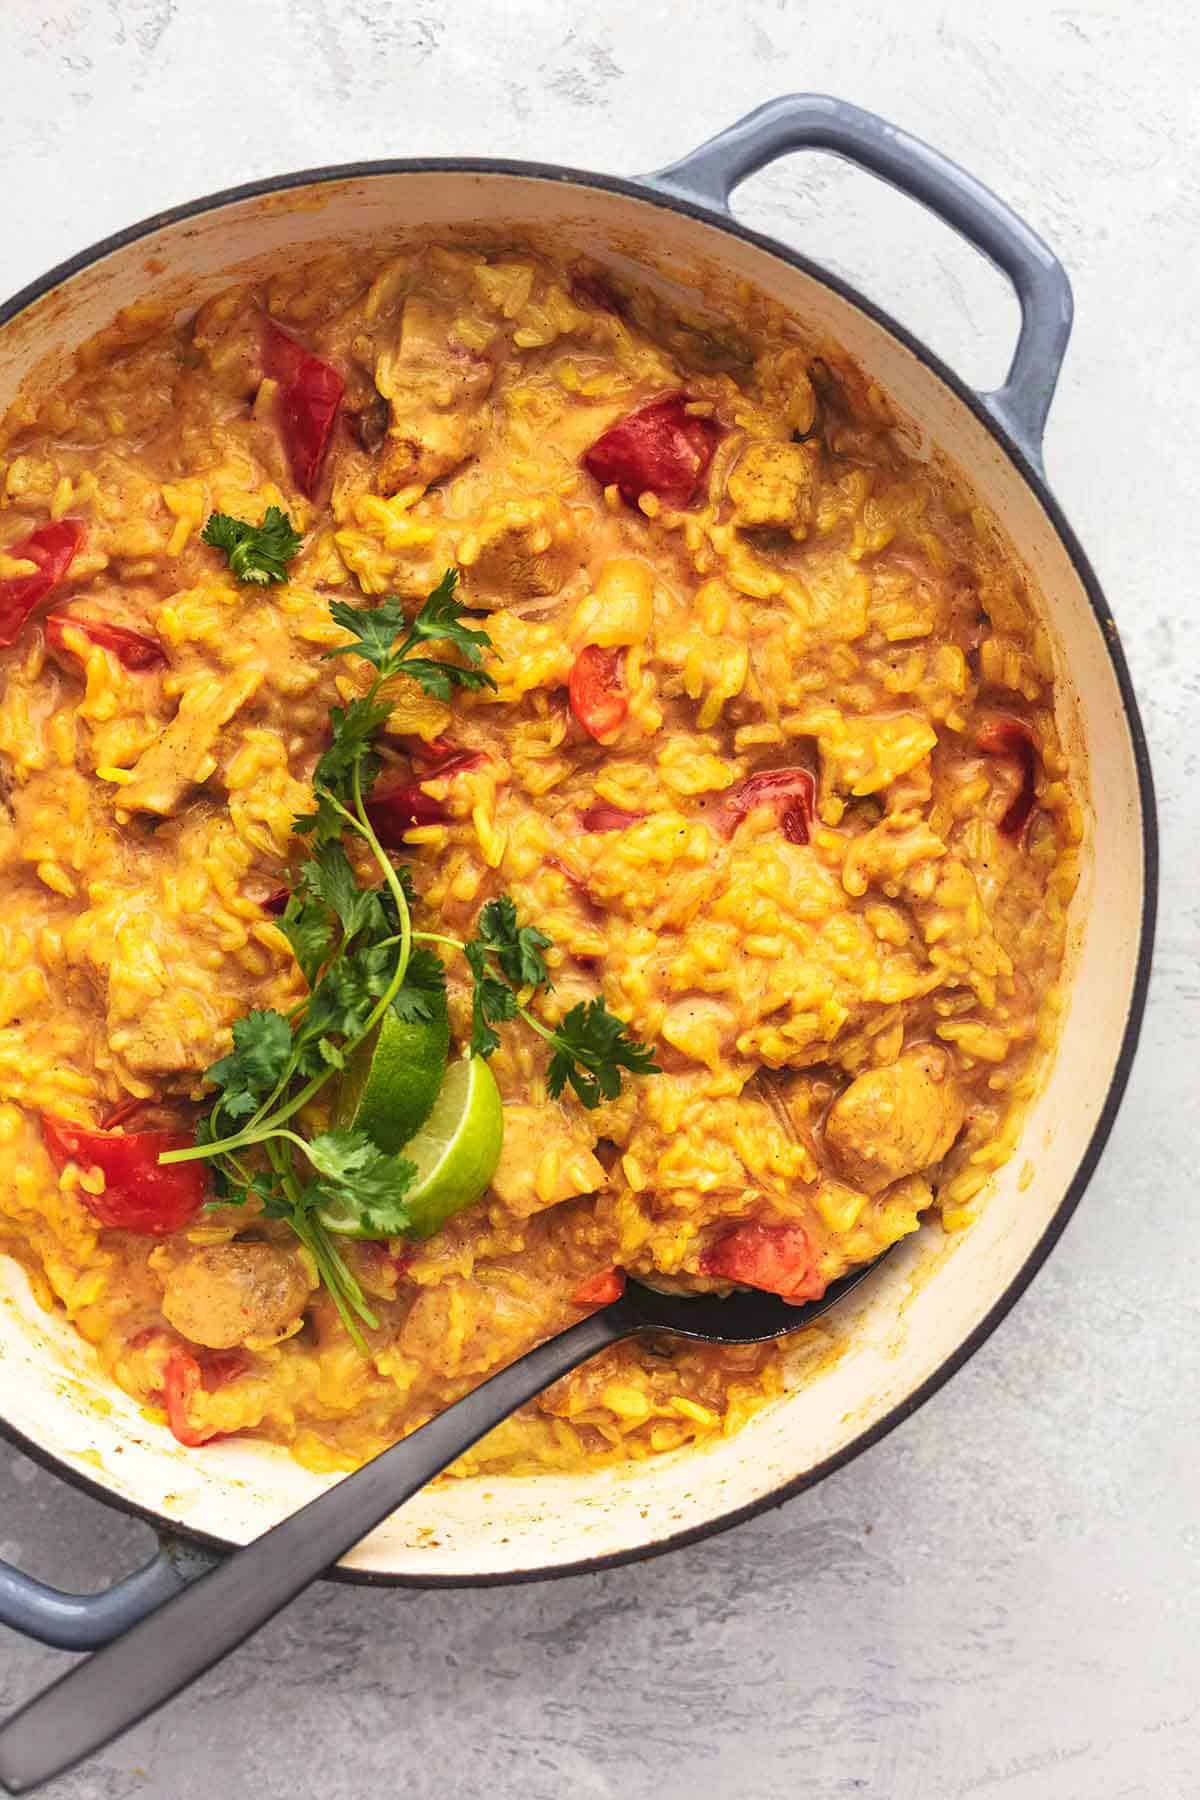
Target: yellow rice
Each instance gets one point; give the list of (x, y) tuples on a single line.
[(867, 638)]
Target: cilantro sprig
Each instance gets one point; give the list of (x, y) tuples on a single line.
[(256, 553), (360, 955), (591, 1045), (381, 639)]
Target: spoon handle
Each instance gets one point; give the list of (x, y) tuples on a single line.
[(119, 1685)]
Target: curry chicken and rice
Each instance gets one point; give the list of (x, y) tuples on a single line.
[(441, 666)]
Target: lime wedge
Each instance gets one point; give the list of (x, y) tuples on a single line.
[(392, 1081), (457, 1148), (455, 1152)]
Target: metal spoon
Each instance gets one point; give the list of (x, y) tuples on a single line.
[(97, 1700)]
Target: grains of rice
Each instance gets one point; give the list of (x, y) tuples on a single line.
[(869, 642)]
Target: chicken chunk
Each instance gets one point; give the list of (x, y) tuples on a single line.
[(153, 975), (436, 388), (157, 1043), (772, 487), (228, 1294), (895, 1121), (520, 549), (164, 775), (546, 1159)]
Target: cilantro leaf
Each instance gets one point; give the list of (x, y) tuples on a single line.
[(347, 938), (384, 636), (387, 901), (354, 1175), (423, 992), (440, 678), (263, 1186), (262, 1045), (441, 618), (388, 1216), (353, 728), (517, 948), (308, 927), (328, 877), (324, 825), (375, 628), (256, 553), (492, 1002), (342, 1156), (343, 997), (592, 1046)]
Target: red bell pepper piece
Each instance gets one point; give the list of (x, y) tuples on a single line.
[(603, 817), (121, 1115), (598, 697), (600, 1289), (310, 393), (52, 548), (139, 1195), (222, 1366), (395, 810), (440, 756), (662, 449), (427, 751), (183, 1375), (577, 882), (1013, 738), (131, 648), (792, 791), (776, 1258), (450, 762)]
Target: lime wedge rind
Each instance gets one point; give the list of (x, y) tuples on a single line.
[(393, 1080), (455, 1152)]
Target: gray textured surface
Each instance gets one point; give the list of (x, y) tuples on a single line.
[(1002, 1598)]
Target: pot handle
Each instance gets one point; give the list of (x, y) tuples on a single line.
[(816, 122), (86, 1621)]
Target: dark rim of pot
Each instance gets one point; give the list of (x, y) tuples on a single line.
[(648, 195)]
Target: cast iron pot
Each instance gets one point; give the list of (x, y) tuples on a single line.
[(935, 1300)]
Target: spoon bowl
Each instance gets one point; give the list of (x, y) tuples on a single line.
[(745, 1316)]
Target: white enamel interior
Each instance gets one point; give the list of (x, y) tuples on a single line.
[(911, 1317)]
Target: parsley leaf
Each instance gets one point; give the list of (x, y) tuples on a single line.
[(592, 1046), (256, 553)]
